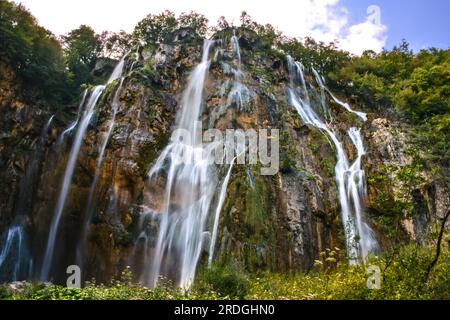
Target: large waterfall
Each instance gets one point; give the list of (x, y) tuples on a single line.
[(188, 181), (350, 179)]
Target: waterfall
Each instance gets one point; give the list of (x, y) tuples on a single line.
[(189, 183), (136, 60), (83, 122), (98, 168), (14, 259), (70, 168), (222, 194), (350, 179), (357, 190), (239, 93), (118, 70), (74, 124), (236, 48)]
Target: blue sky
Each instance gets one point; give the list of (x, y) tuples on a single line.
[(423, 23)]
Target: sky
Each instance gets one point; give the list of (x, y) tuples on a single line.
[(357, 25)]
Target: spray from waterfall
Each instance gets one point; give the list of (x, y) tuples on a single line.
[(350, 179)]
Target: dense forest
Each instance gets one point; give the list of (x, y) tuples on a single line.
[(412, 88)]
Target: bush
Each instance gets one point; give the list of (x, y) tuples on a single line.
[(225, 281)]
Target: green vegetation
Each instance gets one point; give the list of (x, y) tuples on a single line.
[(414, 86), (288, 154), (82, 48), (402, 277), (56, 67), (160, 28), (224, 282), (33, 52)]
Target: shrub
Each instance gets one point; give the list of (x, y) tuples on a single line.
[(226, 281)]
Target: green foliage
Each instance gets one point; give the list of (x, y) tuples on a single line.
[(82, 47), (149, 70), (160, 28), (402, 277), (410, 175), (417, 87), (385, 207), (288, 154), (32, 51), (197, 22), (225, 281), (156, 28), (115, 44)]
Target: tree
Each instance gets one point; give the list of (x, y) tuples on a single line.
[(195, 21), (115, 44), (82, 47), (222, 23), (33, 52), (156, 28)]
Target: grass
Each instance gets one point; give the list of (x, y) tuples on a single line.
[(401, 278)]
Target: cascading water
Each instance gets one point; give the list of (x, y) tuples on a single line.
[(190, 181), (350, 180), (74, 124), (357, 190), (70, 168), (15, 260), (115, 106), (239, 94), (136, 60), (83, 124), (222, 195)]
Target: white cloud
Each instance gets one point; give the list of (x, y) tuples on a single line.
[(325, 20), (364, 36)]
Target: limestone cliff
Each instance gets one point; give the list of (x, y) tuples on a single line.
[(279, 223)]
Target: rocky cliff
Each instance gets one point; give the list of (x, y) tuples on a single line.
[(280, 223)]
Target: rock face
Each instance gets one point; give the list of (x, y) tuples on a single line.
[(23, 115), (279, 223)]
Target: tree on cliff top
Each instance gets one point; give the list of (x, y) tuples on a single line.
[(33, 52)]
